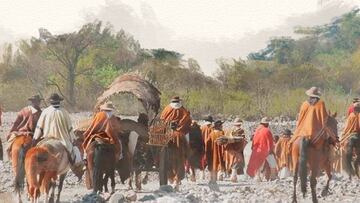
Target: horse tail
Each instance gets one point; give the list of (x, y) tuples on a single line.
[(303, 164), (20, 169), (348, 156)]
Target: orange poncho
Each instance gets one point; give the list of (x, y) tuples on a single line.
[(352, 126), (262, 146), (181, 116), (233, 152), (205, 133), (214, 152), (312, 118), (282, 152), (103, 127)]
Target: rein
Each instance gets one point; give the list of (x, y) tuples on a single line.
[(321, 133)]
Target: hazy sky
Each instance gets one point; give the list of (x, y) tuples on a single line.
[(202, 29)]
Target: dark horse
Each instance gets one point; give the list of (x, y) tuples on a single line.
[(352, 147), (313, 154), (196, 150), (101, 165)]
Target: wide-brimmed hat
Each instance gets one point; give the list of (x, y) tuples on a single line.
[(209, 119), (356, 99), (265, 120), (313, 92), (237, 121), (175, 99), (218, 123), (108, 106), (357, 104), (287, 132), (55, 98), (35, 98)]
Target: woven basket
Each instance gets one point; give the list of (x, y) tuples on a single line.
[(160, 133)]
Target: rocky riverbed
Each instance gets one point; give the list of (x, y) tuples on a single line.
[(246, 190)]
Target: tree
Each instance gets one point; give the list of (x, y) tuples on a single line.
[(68, 49)]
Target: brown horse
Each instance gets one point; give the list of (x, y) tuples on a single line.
[(19, 147), (43, 164), (313, 155)]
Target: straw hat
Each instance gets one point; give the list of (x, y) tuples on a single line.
[(237, 122), (175, 99), (265, 120), (313, 92), (107, 107)]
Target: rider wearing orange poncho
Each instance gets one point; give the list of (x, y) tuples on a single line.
[(312, 115), (180, 120), (262, 149), (104, 126), (351, 131)]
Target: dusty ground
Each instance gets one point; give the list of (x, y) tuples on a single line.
[(246, 190)]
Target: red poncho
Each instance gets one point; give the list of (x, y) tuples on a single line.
[(263, 144)]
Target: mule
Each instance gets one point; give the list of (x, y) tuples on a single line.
[(43, 164), (318, 148)]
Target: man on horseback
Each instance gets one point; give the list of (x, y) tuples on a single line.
[(55, 122), (312, 143), (352, 106), (180, 121), (312, 116), (25, 123), (104, 127), (234, 157), (262, 149), (350, 136)]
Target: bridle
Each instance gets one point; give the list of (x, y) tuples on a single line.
[(322, 131)]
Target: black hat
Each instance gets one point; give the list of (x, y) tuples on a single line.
[(55, 98), (209, 119), (287, 132), (35, 98), (218, 122)]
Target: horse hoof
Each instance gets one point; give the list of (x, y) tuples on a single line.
[(324, 193)]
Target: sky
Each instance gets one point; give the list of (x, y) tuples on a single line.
[(203, 29)]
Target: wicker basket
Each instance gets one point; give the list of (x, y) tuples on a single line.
[(160, 133)]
